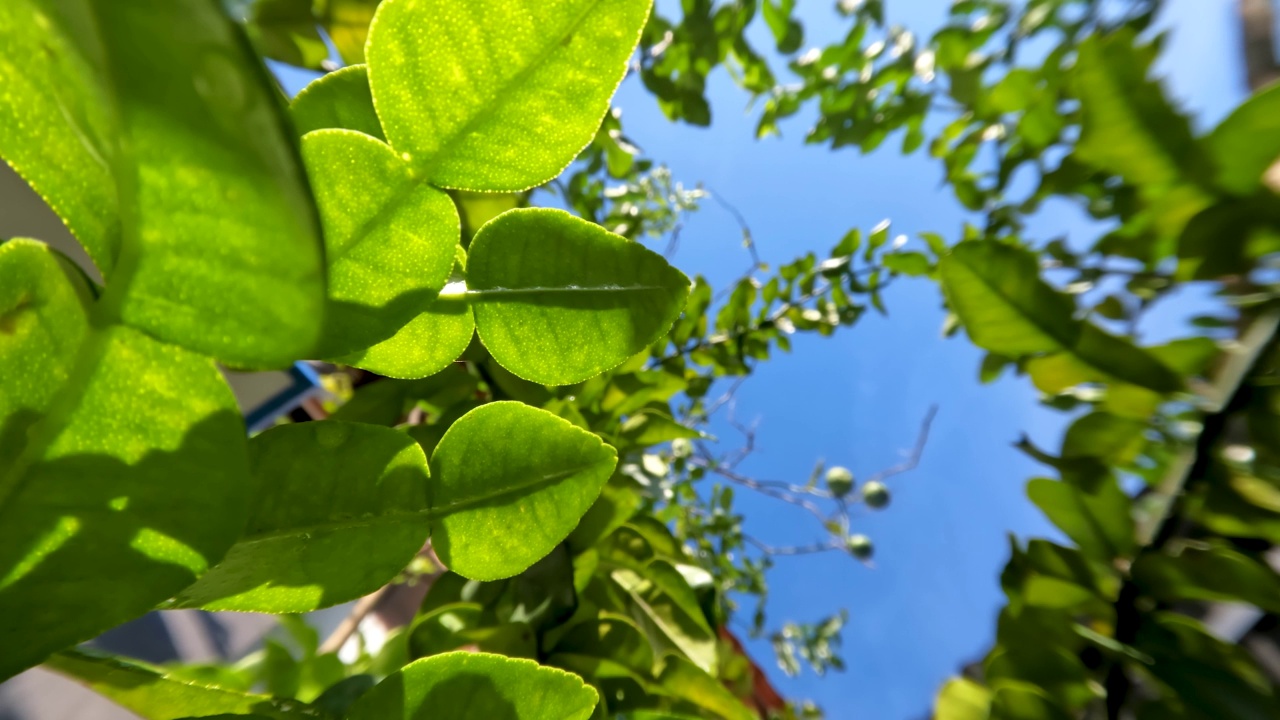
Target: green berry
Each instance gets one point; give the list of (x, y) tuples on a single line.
[(875, 495), (839, 481), (859, 546)]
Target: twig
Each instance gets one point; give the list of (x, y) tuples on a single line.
[(789, 496), (791, 549), (911, 462), (351, 622)]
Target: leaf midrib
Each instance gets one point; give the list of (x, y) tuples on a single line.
[(1063, 345), (411, 516)]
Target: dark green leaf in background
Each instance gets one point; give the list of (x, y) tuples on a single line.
[(339, 508), (132, 485)]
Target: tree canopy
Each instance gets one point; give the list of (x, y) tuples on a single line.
[(452, 220)]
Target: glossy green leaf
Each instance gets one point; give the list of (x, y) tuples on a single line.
[(477, 686), (389, 238), (154, 695), (1247, 143), (131, 486), (510, 483), (666, 608), (682, 679), (339, 509), (44, 306), (497, 95), (1216, 574), (1098, 522), (57, 125), (558, 299), (221, 249), (1007, 309), (962, 699), (612, 637), (458, 626), (341, 100)]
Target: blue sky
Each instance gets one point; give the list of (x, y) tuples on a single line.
[(930, 603)]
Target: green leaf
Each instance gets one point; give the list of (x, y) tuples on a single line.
[(612, 637), (285, 30), (221, 249), (132, 485), (510, 483), (339, 509), (495, 94), (1007, 309), (682, 679), (1115, 440), (44, 315), (1248, 142), (666, 608), (424, 346), (558, 299), (57, 125), (1024, 701), (914, 264), (651, 427), (1099, 522), (477, 686), (339, 99), (962, 699), (389, 238), (1129, 127), (459, 625), (1005, 306), (1215, 574), (152, 694), (1212, 678)]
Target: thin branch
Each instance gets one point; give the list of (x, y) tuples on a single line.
[(748, 240), (765, 488), (914, 459), (791, 549), (351, 622)]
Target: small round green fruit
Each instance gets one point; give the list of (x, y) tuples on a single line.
[(859, 546), (875, 495), (839, 481)]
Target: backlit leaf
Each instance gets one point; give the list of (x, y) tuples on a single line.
[(510, 482), (389, 239), (558, 299), (477, 686), (497, 95)]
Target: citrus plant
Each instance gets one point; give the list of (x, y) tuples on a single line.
[(519, 367), (128, 482)]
